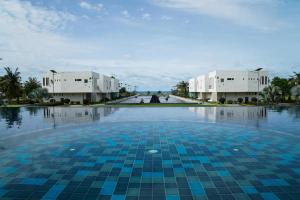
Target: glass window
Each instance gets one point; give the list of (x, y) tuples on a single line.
[(222, 80), (85, 81), (266, 80)]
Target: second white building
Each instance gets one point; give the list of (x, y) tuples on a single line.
[(80, 86), (230, 85)]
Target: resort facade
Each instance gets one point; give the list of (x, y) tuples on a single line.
[(80, 86), (230, 85)]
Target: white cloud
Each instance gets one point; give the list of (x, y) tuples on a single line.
[(30, 36), (252, 13), (166, 18), (125, 13), (89, 6), (146, 16)]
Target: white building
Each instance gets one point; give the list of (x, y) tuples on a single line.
[(79, 86), (230, 85), (247, 114)]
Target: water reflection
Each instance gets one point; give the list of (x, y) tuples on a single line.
[(32, 110), (291, 110), (11, 116), (76, 115), (215, 114), (28, 119)]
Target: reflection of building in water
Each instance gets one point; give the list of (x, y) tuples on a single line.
[(74, 115), (215, 114)]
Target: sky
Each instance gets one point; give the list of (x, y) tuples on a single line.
[(152, 44)]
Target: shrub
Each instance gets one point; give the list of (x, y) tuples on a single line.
[(230, 102), (86, 101), (254, 99), (77, 102), (67, 101), (240, 100), (222, 100), (62, 100)]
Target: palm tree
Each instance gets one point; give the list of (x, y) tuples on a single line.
[(30, 85), (295, 79), (296, 92), (11, 83), (39, 94), (182, 88), (272, 94)]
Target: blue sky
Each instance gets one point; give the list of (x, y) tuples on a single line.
[(152, 43)]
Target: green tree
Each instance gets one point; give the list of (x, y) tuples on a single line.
[(122, 90), (11, 84), (296, 92), (30, 85), (295, 79), (283, 84), (272, 94), (148, 93), (39, 94), (182, 88)]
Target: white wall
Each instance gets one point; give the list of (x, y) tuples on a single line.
[(72, 82), (104, 83), (114, 85), (202, 83), (192, 85), (76, 86)]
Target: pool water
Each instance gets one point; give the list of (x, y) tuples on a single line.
[(146, 99), (150, 153)]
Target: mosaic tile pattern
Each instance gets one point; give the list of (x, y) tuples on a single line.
[(152, 160)]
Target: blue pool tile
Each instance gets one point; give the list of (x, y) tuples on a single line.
[(274, 182), (83, 172), (217, 164), (297, 170), (8, 170), (34, 181), (187, 165), (2, 192), (249, 190), (118, 197), (54, 192), (118, 165), (153, 174), (223, 173), (126, 170), (87, 164), (103, 159), (139, 162), (181, 149), (178, 170), (172, 197), (269, 196), (196, 188), (108, 188), (202, 159)]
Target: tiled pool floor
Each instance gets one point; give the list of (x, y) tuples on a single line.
[(188, 160)]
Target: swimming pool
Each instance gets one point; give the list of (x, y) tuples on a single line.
[(146, 99), (150, 153)]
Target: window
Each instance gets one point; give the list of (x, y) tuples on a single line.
[(222, 80), (262, 80), (44, 82), (230, 79), (266, 80), (85, 81), (47, 81), (77, 79)]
